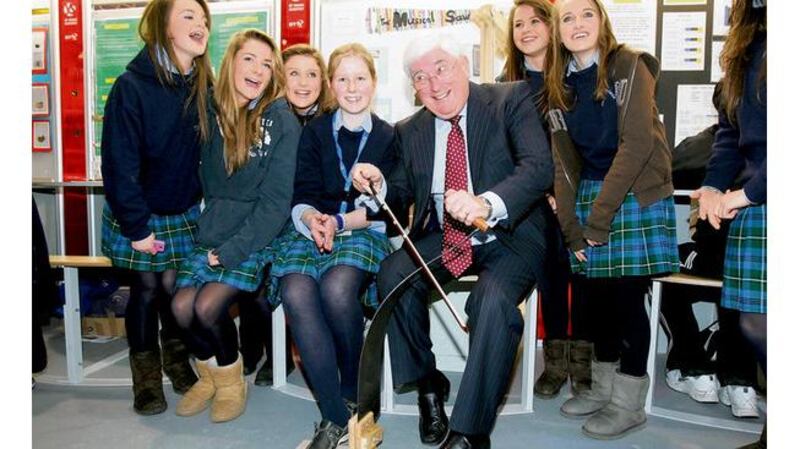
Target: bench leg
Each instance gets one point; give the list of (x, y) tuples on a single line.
[(655, 309), (278, 348), (72, 326), (529, 350)]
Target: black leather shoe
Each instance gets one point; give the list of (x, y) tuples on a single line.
[(459, 441), (433, 421)]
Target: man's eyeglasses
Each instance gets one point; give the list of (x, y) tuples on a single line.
[(442, 71)]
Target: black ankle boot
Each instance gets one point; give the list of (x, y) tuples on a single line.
[(175, 357), (148, 394), (433, 422)]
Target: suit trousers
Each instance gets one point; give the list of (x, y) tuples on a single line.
[(495, 325)]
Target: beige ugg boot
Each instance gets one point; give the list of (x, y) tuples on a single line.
[(625, 413), (588, 402), (197, 398), (231, 395)]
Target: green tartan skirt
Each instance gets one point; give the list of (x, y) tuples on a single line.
[(363, 249), (642, 241), (744, 277), (176, 231), (195, 270)]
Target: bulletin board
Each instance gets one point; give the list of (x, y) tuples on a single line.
[(115, 42), (387, 30)]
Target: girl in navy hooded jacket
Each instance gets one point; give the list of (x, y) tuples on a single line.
[(153, 124)]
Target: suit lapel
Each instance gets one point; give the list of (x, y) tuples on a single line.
[(477, 121)]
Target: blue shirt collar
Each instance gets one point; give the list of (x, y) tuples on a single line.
[(529, 67), (163, 59), (573, 63), (338, 122)]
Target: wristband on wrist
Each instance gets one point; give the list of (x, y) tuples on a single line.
[(339, 223)]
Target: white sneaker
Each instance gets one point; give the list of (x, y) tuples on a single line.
[(742, 400), (700, 388)]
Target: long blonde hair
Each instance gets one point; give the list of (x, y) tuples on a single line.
[(241, 125), (307, 50), (746, 21), (352, 49), (515, 60), (558, 57), (153, 31)]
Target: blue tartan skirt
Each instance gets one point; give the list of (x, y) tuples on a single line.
[(744, 277), (363, 249), (177, 231), (642, 241), (195, 270)]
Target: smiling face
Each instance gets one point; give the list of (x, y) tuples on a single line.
[(252, 70), (188, 31), (441, 81), (353, 85), (303, 81), (579, 27), (531, 33)]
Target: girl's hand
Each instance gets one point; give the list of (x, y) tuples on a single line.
[(730, 203), (145, 245), (708, 201), (581, 256), (552, 201), (593, 243), (213, 259)]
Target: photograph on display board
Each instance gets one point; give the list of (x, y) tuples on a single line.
[(39, 51), (40, 100), (41, 135)]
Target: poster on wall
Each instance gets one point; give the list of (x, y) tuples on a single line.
[(683, 2), (225, 25), (694, 110), (634, 22), (40, 100), (716, 68), (683, 41), (39, 51), (722, 17), (41, 135)]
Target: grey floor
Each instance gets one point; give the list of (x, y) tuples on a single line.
[(67, 417)]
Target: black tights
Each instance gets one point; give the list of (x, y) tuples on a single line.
[(328, 329), (620, 324), (149, 300), (208, 329), (754, 329)]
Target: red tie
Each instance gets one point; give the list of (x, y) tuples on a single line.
[(457, 249)]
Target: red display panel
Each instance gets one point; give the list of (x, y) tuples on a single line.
[(295, 22)]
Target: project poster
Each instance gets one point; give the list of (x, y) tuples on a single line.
[(683, 41), (225, 25), (634, 22), (722, 17), (716, 68), (694, 110)]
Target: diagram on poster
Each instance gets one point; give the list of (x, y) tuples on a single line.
[(41, 135), (40, 100), (716, 68), (39, 51), (634, 22), (683, 41), (722, 17), (694, 110)]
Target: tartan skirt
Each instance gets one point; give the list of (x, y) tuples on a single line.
[(195, 270), (744, 277), (363, 249), (642, 240), (177, 231)]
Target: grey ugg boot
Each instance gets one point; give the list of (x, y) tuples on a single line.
[(625, 413), (588, 402)]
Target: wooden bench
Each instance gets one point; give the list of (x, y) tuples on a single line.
[(72, 309)]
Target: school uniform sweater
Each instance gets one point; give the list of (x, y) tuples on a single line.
[(743, 144), (150, 147), (246, 210)]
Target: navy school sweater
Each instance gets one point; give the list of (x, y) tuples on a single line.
[(592, 124), (743, 145), (318, 181), (150, 148)]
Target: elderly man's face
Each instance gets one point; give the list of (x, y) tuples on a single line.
[(442, 82)]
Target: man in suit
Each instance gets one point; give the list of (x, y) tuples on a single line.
[(473, 151)]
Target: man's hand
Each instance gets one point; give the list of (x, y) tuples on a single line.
[(708, 201), (464, 206), (363, 174)]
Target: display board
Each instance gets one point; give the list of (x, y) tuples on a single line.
[(386, 31), (116, 41)]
